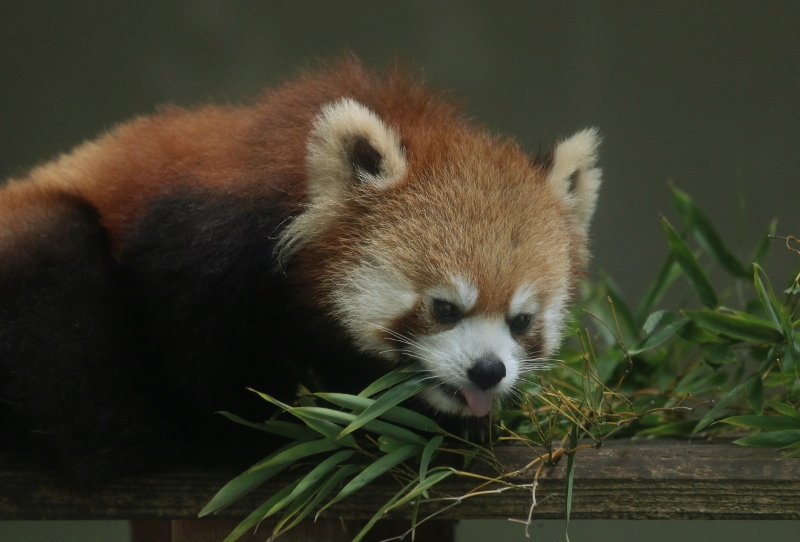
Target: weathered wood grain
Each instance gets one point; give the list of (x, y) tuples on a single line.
[(622, 479)]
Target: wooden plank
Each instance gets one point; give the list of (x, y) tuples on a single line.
[(623, 479)]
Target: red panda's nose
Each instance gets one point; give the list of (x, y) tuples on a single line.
[(487, 372)]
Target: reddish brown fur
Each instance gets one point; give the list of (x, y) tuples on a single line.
[(222, 148)]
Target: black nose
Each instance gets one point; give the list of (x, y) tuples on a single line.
[(487, 372)]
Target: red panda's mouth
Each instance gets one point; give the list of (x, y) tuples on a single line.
[(478, 401)]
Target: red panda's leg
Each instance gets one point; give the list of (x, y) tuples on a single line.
[(68, 363)]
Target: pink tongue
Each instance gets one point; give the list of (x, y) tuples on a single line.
[(478, 401)]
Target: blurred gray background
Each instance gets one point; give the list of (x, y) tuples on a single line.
[(702, 94)]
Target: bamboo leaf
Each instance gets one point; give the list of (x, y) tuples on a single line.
[(322, 470), (767, 423), (705, 233), (669, 272), (345, 418), (258, 514), (307, 487), (784, 409), (718, 407), (380, 513), (330, 484), (402, 497), (658, 318), (736, 325), (295, 453), (718, 354), (381, 466), (668, 429), (275, 427), (427, 455), (244, 484), (768, 300), (777, 312), (388, 400), (422, 487), (771, 439), (755, 394), (622, 313), (764, 246), (387, 381), (659, 337), (395, 414), (691, 269)]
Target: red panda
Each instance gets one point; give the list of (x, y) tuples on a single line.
[(347, 221)]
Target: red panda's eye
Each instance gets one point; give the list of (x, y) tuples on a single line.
[(520, 323), (445, 312)]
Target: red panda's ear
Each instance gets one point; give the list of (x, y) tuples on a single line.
[(351, 146), (573, 174)]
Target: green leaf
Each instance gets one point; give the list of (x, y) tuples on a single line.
[(718, 407), (668, 429), (381, 466), (771, 439), (764, 245), (308, 487), (387, 381), (395, 414), (244, 484), (784, 409), (322, 470), (295, 453), (669, 272), (345, 418), (776, 311), (755, 394), (718, 354), (422, 487), (691, 269), (736, 325), (705, 233), (275, 427), (768, 300), (658, 338), (380, 513), (320, 424), (767, 423), (658, 318), (388, 400), (401, 498), (259, 514), (427, 455), (330, 484)]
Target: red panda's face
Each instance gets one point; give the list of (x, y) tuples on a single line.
[(462, 259)]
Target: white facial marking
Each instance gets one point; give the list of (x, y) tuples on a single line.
[(523, 301), (450, 354), (553, 322), (462, 292), (367, 301)]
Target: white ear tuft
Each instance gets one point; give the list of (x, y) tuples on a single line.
[(573, 174), (349, 148), (350, 145)]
